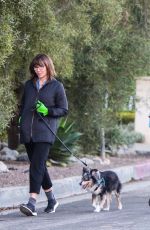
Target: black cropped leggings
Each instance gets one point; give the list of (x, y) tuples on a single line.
[(38, 173)]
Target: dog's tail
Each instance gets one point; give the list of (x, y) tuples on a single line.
[(119, 187)]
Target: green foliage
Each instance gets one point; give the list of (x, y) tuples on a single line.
[(123, 135), (114, 136), (11, 12), (7, 37), (50, 39), (7, 102), (69, 137), (98, 48), (106, 68)]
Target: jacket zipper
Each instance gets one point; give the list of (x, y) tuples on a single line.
[(38, 90), (32, 124), (34, 114)]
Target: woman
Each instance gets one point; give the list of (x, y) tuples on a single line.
[(43, 96)]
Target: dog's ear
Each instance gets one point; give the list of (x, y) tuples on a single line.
[(96, 174), (93, 172), (85, 169)]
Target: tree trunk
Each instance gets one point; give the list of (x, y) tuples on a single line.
[(13, 130), (13, 133)]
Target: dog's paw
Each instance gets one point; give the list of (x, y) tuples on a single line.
[(106, 209), (97, 209), (120, 207), (94, 205)]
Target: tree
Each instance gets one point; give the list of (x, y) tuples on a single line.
[(40, 27), (98, 48), (105, 70), (8, 36)]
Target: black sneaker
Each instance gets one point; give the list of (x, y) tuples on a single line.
[(28, 209), (51, 207)]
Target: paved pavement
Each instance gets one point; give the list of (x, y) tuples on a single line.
[(77, 213), (13, 196)]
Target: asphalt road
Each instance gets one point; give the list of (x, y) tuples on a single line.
[(76, 213)]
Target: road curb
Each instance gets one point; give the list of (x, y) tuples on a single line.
[(13, 196)]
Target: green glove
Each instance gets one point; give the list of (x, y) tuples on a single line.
[(41, 108)]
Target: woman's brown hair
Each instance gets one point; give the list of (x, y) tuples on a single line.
[(40, 60)]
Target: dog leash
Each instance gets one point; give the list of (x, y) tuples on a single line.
[(60, 139), (100, 182)]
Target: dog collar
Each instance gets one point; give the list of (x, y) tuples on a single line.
[(101, 182)]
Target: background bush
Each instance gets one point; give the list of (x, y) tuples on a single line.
[(123, 135), (126, 117)]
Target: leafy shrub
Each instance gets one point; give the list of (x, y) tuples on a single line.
[(114, 136), (69, 137), (121, 135)]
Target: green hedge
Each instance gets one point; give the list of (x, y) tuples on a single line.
[(126, 117)]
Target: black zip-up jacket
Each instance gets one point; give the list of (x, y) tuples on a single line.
[(52, 94)]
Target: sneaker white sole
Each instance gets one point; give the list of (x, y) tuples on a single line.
[(55, 206), (25, 210)]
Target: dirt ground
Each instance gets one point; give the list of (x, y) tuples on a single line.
[(18, 171)]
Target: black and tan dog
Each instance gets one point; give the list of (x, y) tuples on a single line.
[(101, 185)]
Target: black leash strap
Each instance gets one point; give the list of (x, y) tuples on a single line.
[(61, 140)]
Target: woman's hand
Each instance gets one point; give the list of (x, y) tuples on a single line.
[(41, 108)]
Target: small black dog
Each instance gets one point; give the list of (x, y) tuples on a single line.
[(101, 185)]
